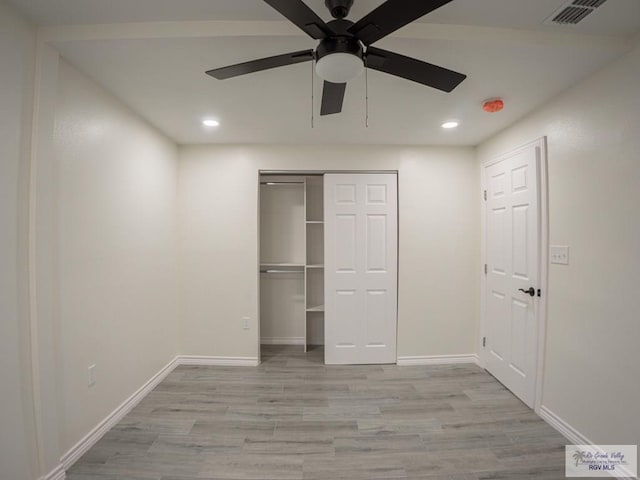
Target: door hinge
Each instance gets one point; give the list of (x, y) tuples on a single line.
[(539, 292), (485, 195), (485, 268), (484, 341)]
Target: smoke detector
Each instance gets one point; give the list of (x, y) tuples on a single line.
[(573, 12)]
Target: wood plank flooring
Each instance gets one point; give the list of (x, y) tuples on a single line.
[(295, 418)]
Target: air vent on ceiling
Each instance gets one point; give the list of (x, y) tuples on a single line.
[(588, 3), (573, 12)]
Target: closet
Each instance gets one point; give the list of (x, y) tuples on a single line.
[(291, 260), (328, 264)]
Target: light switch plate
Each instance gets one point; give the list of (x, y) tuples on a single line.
[(559, 254)]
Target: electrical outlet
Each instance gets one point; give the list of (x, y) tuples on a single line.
[(559, 254), (245, 323), (92, 375)]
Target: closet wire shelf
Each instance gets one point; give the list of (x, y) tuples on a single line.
[(281, 268), (281, 271), (273, 184)]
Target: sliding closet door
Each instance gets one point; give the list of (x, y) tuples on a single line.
[(361, 264)]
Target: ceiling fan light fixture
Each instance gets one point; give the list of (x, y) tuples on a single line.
[(339, 67), (339, 59)]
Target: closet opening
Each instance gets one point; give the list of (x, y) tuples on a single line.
[(292, 262), (357, 243)]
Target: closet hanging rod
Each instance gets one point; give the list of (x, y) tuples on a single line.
[(281, 271), (281, 183)]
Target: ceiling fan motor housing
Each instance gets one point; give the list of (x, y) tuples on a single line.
[(339, 8), (332, 45)]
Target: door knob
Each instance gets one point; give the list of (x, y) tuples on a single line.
[(531, 291)]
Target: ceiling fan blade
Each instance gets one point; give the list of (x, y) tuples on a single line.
[(332, 97), (261, 64), (390, 16), (297, 12), (413, 69)]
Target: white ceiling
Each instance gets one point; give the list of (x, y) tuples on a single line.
[(502, 45), (616, 17)]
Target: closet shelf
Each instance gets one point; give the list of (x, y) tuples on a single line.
[(318, 308), (292, 265), (314, 222), (281, 268), (275, 184), (280, 271)]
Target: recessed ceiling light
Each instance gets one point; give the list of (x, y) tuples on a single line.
[(210, 123), (449, 125)]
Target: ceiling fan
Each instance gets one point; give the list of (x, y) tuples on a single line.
[(345, 47)]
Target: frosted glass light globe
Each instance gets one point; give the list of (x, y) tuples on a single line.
[(339, 67)]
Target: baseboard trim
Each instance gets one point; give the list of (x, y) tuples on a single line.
[(89, 440), (574, 436), (218, 361), (438, 360), (58, 473), (567, 431), (282, 340)]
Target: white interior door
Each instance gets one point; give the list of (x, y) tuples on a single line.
[(512, 256), (361, 264)]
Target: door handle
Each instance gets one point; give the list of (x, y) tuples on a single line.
[(531, 291)]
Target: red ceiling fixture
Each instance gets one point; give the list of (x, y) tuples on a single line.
[(494, 105)]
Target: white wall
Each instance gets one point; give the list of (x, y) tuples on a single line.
[(438, 241), (115, 194), (17, 432), (592, 363)]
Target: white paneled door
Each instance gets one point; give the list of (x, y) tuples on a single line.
[(361, 265), (512, 270)]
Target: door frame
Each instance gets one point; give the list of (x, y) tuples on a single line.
[(540, 145)]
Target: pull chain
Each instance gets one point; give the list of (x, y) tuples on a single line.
[(366, 95), (312, 93)]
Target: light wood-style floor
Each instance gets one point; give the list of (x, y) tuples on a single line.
[(295, 418)]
